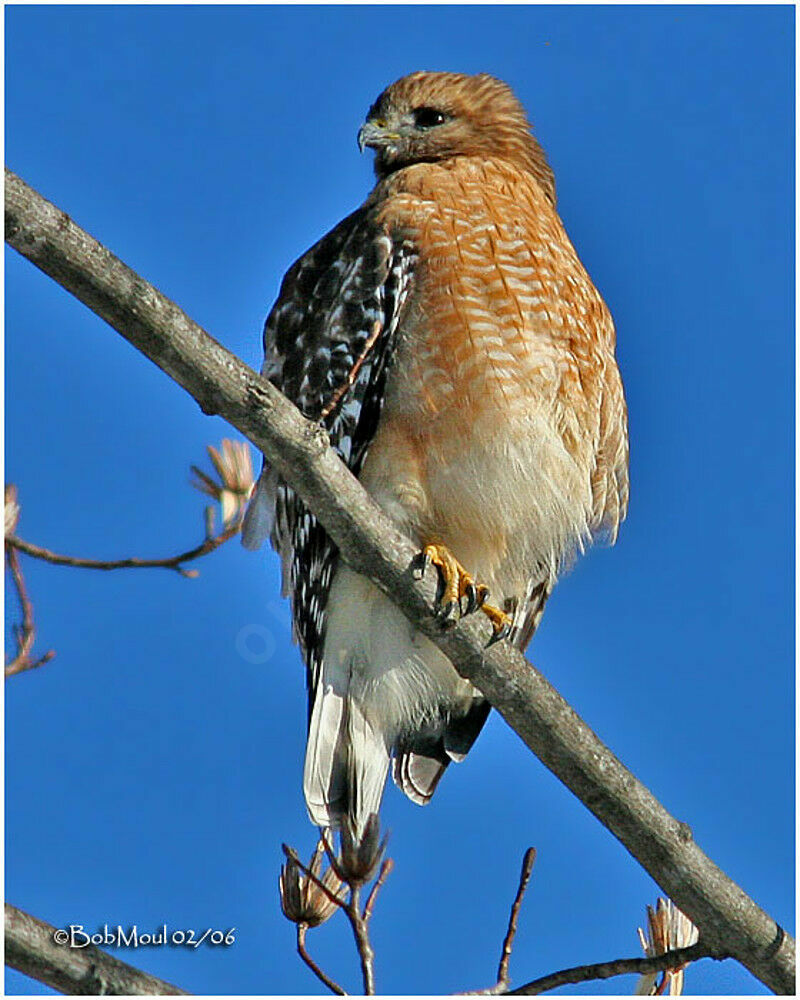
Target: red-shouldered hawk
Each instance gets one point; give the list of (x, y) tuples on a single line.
[(448, 337)]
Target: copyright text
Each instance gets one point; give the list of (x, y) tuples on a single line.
[(117, 936)]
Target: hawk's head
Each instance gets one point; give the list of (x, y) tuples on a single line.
[(425, 117)]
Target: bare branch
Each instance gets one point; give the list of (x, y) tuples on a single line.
[(729, 921), (26, 632), (360, 853), (323, 977), (359, 921), (363, 943), (32, 949), (503, 978), (171, 562), (619, 967), (508, 944), (386, 870)]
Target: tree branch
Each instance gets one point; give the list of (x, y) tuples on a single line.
[(170, 562), (359, 920), (32, 950), (386, 870), (503, 978), (619, 967), (729, 921), (323, 977)]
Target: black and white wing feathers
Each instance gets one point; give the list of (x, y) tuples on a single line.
[(328, 345)]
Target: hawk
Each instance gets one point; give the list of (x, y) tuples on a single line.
[(452, 344)]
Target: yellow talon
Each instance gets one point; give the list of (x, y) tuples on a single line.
[(458, 584), (501, 622)]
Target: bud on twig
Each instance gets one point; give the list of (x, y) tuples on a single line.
[(361, 855)]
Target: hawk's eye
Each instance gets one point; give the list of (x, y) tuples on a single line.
[(428, 117)]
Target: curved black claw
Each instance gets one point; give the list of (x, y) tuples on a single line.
[(502, 633), (446, 611), (476, 595)]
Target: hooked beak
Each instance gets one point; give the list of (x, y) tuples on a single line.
[(374, 135)]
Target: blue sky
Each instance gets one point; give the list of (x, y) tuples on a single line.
[(152, 769)]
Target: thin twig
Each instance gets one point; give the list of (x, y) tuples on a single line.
[(505, 956), (358, 921), (172, 562), (363, 944), (622, 966), (503, 978), (332, 985), (386, 871), (327, 843), (26, 632)]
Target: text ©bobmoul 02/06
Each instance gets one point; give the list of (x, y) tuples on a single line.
[(116, 936)]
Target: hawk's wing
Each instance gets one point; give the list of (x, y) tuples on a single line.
[(610, 485), (328, 344)]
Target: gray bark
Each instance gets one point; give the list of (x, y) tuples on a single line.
[(32, 949)]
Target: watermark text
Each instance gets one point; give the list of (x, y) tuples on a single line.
[(117, 936)]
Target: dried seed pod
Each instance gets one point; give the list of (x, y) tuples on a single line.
[(302, 900), (11, 509), (667, 928), (235, 469)]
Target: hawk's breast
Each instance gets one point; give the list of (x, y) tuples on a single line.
[(491, 414)]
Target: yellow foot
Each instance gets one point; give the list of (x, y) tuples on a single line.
[(458, 585)]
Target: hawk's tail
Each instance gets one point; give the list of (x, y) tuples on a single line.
[(422, 758), (346, 762)]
